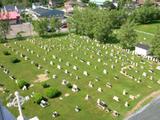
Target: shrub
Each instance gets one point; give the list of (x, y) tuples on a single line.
[(69, 85), (22, 83), (52, 93), (45, 85), (6, 53), (16, 60), (38, 98)]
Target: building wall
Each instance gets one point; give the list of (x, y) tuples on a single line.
[(140, 51)]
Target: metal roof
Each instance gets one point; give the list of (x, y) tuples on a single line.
[(42, 12), (143, 46)]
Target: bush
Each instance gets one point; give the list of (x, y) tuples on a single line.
[(69, 85), (6, 53), (145, 14), (19, 35), (38, 98), (52, 93), (16, 60), (22, 83), (45, 85)]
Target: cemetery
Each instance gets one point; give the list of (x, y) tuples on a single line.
[(73, 77)]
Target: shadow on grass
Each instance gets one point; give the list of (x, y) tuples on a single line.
[(50, 35)]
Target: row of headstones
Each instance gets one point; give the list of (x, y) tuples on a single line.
[(26, 58)]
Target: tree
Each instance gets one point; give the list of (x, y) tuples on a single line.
[(52, 24), (38, 98), (85, 1), (155, 49), (128, 36), (22, 83), (41, 26), (123, 3), (1, 4), (94, 23), (52, 92), (4, 29), (145, 14)]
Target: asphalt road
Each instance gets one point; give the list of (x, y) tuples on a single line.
[(149, 112)]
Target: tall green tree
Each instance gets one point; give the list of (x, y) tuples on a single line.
[(52, 24), (4, 29), (123, 3), (156, 43), (128, 36), (1, 4), (41, 26), (85, 1)]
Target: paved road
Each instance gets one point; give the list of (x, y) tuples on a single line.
[(149, 112)]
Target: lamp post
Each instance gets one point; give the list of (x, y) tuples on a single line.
[(20, 117)]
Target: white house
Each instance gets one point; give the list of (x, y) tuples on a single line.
[(142, 49)]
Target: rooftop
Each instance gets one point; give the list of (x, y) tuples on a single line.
[(9, 15), (42, 12), (143, 46)]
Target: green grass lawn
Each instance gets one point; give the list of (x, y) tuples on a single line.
[(148, 28), (87, 50)]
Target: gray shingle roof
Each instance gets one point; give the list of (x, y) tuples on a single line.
[(143, 46), (10, 8), (42, 12)]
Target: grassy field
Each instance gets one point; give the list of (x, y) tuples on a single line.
[(149, 31), (75, 49)]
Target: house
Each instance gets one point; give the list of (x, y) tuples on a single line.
[(141, 2), (42, 12), (69, 7), (12, 16), (10, 8), (142, 49)]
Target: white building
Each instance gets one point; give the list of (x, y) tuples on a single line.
[(142, 49)]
